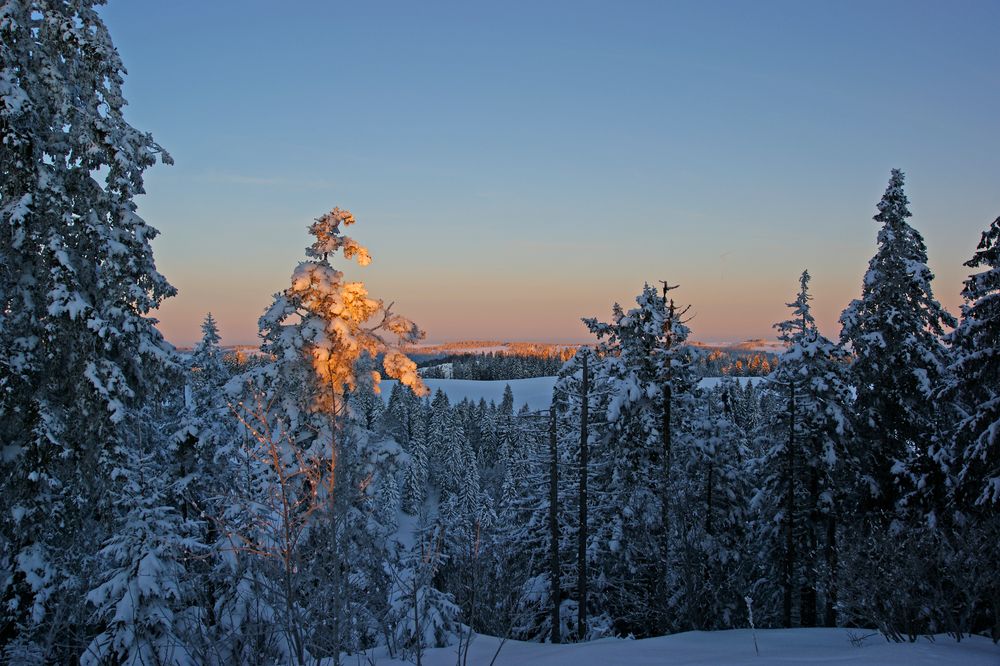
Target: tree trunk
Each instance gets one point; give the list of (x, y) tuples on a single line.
[(667, 437), (789, 563), (831, 571), (417, 581), (554, 524), (666, 434), (807, 598), (709, 489), (582, 534)]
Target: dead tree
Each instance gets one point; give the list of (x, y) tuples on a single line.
[(554, 524), (582, 534)]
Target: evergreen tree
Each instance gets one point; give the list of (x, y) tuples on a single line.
[(78, 350), (894, 332), (711, 566), (323, 474), (976, 371), (648, 372), (144, 595), (971, 545), (365, 399), (805, 469), (205, 432), (415, 477), (420, 615)]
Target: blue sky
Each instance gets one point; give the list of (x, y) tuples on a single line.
[(515, 166)]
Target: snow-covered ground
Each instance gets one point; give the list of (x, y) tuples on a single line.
[(536, 392), (829, 647)]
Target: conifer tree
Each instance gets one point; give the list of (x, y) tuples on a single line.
[(710, 561), (78, 349), (648, 372), (973, 458), (144, 596), (975, 374), (365, 399), (415, 477), (315, 331), (804, 470), (894, 332)]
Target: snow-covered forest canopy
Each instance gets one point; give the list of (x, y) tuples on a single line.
[(161, 507)]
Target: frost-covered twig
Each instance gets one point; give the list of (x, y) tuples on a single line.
[(749, 601)]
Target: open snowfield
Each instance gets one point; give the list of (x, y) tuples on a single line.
[(729, 648), (536, 392)]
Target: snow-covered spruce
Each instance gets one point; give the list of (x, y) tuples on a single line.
[(894, 332), (79, 352), (806, 471)]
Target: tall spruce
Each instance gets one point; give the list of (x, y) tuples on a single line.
[(894, 332), (974, 456), (78, 351), (804, 469), (976, 373), (648, 372)]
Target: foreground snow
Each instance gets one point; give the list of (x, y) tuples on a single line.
[(724, 648)]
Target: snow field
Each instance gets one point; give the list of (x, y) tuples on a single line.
[(830, 647), (535, 392)]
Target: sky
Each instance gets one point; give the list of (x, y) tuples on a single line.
[(515, 166)]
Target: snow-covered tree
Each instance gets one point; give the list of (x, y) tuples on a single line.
[(710, 564), (320, 325), (804, 470), (145, 595), (415, 476), (421, 616), (647, 370), (78, 350), (365, 399), (894, 332), (971, 543), (204, 431), (295, 406), (584, 508), (207, 355), (976, 374)]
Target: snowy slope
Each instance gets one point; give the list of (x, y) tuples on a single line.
[(830, 647), (536, 392)]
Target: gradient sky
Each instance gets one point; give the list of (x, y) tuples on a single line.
[(515, 166)]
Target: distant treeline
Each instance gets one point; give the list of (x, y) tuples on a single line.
[(735, 363), (490, 366), (498, 365)]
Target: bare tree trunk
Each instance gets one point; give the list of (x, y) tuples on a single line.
[(582, 534), (666, 434), (807, 598), (667, 437), (338, 559), (709, 491), (554, 524), (831, 569), (789, 564), (417, 576)]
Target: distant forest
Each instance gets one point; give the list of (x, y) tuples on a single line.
[(707, 362)]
